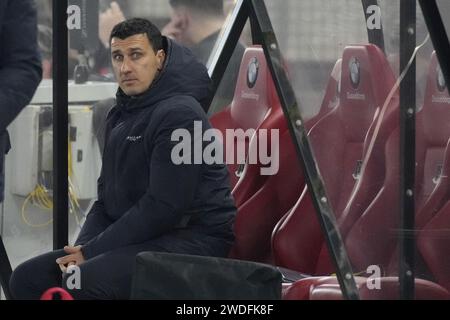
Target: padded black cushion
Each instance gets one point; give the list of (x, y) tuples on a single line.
[(176, 276)]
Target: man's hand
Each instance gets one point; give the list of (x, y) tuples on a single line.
[(74, 257), (107, 20)]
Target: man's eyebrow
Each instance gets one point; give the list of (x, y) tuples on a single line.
[(134, 49)]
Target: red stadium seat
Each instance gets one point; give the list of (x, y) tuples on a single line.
[(433, 217), (370, 238), (433, 133), (327, 288), (251, 179), (263, 200), (341, 141), (254, 102), (432, 154), (256, 106)]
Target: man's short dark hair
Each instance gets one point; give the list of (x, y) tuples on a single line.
[(134, 26), (214, 7)]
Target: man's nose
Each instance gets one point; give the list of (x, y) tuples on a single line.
[(125, 67)]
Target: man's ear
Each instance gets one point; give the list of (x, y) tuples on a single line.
[(161, 56)]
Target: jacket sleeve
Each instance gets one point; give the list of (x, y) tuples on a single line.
[(170, 192), (97, 220), (20, 65)]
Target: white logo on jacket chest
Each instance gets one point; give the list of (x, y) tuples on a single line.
[(133, 138)]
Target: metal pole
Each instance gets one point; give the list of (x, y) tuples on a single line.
[(407, 148), (438, 35), (306, 159), (219, 62), (60, 125), (375, 35)]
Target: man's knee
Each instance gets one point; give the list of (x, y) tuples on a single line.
[(71, 282), (83, 285), (31, 278)]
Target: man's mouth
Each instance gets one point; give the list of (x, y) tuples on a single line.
[(129, 81)]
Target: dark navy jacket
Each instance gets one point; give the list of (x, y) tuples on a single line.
[(142, 195), (20, 66)]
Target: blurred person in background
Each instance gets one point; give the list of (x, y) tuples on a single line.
[(197, 25), (20, 74)]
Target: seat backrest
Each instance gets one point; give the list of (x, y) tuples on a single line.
[(371, 213), (255, 106), (255, 91), (338, 140), (433, 216), (331, 97), (254, 102), (372, 238), (433, 132), (432, 191), (251, 177), (262, 203)]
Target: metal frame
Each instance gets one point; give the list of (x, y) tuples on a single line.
[(219, 61), (60, 146), (438, 35), (407, 149), (376, 35), (60, 125)]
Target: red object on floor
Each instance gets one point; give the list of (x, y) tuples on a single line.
[(49, 294)]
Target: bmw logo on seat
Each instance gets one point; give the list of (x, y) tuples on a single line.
[(355, 72), (440, 79), (252, 72)]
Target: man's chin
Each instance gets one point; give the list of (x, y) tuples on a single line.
[(132, 92)]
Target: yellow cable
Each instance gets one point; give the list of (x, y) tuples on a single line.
[(24, 218), (40, 197), (43, 199)]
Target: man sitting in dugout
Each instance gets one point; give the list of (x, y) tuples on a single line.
[(145, 201)]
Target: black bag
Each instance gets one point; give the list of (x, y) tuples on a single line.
[(160, 275)]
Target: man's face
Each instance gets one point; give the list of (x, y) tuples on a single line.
[(135, 63)]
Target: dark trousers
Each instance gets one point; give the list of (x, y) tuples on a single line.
[(106, 276), (5, 269)]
